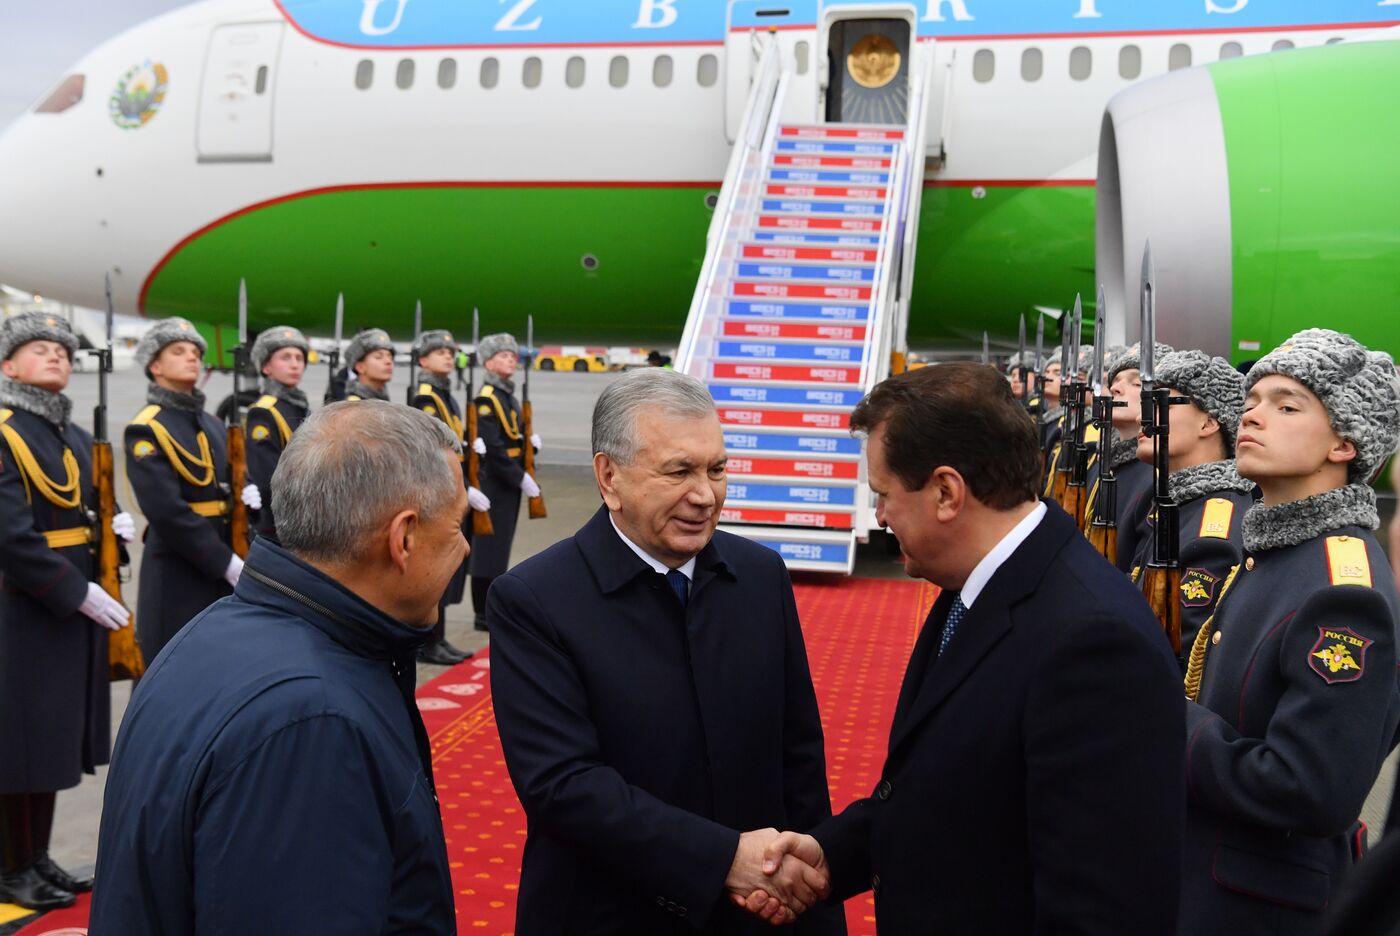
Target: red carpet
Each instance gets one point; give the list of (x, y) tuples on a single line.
[(859, 635)]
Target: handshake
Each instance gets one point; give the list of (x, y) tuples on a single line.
[(776, 876)]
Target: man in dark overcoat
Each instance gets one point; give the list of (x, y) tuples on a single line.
[(55, 701)]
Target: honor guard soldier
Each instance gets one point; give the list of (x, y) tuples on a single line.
[(1013, 374), (1211, 496), (55, 700), (177, 465), (1293, 682), (1052, 413), (436, 352), (1133, 478), (370, 362), (279, 355), (503, 476)]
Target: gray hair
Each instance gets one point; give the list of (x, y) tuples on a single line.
[(615, 414), (350, 467)]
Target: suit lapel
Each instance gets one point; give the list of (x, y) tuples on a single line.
[(916, 670)]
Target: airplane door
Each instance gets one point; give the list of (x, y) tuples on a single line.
[(235, 105), (868, 65)]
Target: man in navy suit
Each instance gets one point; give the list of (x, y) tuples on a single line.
[(652, 692), (1034, 776)]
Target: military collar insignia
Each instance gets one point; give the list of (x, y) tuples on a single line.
[(1299, 521), (54, 407), (1339, 656), (1188, 484)]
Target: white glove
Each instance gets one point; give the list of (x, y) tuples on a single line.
[(535, 441), (479, 445), (528, 485), (252, 497), (124, 526), (104, 609), (234, 570), (478, 500)]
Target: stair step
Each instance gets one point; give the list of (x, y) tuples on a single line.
[(840, 132), (784, 419), (808, 206), (806, 311), (735, 370), (738, 440), (809, 518), (782, 495), (744, 289), (816, 467), (803, 237), (804, 190), (835, 148), (745, 329), (800, 271), (789, 396), (819, 177), (765, 251), (772, 351), (804, 550), (785, 222), (815, 161)]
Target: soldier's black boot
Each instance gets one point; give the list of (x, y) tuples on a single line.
[(456, 651), (59, 878), (479, 623), (29, 889), (438, 654)]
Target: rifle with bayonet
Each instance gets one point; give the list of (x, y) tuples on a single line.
[(333, 358), (237, 450), (1025, 394), (1037, 401), (1161, 578), (413, 352), (1059, 465), (1075, 454), (124, 659), (481, 519), (537, 510), (1102, 520), (986, 351)]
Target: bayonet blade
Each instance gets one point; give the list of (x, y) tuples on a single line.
[(1039, 341), (339, 320), (529, 337), (1149, 318), (1021, 341), (417, 320), (1078, 330), (243, 312), (110, 312), (1098, 366), (986, 350)]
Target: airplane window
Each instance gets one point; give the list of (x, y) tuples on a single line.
[(1129, 62), (984, 65), (1283, 44), (490, 72), (533, 72), (404, 77), (447, 73), (1231, 50), (803, 53), (1081, 62), (1179, 57), (573, 72), (662, 70), (1032, 64), (68, 93), (707, 72), (260, 83), (364, 74), (617, 71)]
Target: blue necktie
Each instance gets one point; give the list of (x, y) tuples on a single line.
[(680, 585), (956, 612)]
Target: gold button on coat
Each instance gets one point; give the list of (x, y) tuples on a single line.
[(1215, 637), (1249, 564)]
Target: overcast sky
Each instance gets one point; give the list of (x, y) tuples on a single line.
[(43, 37)]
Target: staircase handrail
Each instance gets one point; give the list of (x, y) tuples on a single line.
[(918, 143), (760, 111)]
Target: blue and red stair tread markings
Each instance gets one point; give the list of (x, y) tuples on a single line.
[(778, 270), (785, 222), (838, 132), (789, 419), (815, 311), (749, 329), (722, 370), (765, 251)]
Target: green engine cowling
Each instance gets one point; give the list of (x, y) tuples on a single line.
[(1269, 187)]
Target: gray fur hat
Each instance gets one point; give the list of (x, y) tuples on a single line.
[(1131, 358), (492, 345), (35, 326), (274, 339), (371, 339), (1014, 362), (1085, 361), (1212, 383), (163, 333), (1358, 386), (430, 341)]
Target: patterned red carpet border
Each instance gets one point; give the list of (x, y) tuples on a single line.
[(859, 635)]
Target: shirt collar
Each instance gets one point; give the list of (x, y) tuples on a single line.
[(999, 553), (688, 570)]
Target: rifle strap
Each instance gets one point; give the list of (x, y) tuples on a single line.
[(183, 461), (65, 496), (1196, 664)]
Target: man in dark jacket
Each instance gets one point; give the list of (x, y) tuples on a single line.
[(1040, 715), (651, 686), (272, 774)]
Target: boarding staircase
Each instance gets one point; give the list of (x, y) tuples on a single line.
[(800, 310)]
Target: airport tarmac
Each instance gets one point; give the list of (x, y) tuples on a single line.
[(563, 403)]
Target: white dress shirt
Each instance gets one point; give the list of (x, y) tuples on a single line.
[(982, 573), (688, 570)]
